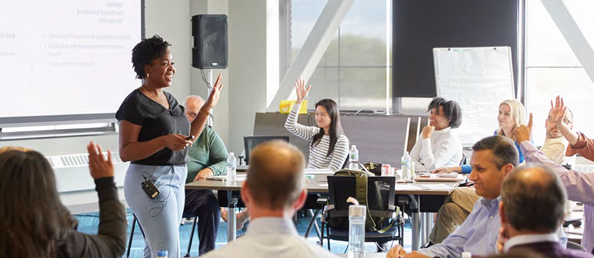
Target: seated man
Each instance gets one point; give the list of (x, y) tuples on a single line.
[(526, 192), (492, 159), (273, 191), (459, 204), (208, 157), (579, 186)]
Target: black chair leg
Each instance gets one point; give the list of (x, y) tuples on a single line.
[(311, 222), (131, 236), (192, 236)]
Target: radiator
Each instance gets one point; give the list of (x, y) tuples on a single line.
[(72, 172)]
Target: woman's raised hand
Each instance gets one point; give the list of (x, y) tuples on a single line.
[(213, 98), (301, 90), (99, 165)]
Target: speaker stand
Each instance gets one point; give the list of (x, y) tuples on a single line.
[(209, 122)]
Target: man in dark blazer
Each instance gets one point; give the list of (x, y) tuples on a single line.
[(531, 209)]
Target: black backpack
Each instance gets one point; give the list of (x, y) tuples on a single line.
[(340, 218)]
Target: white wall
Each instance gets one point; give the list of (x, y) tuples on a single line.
[(248, 82), (251, 23)]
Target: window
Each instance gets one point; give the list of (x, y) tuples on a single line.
[(353, 68), (552, 68)]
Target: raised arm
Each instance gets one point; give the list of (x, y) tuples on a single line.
[(110, 240), (299, 130), (200, 120), (558, 113), (579, 186)]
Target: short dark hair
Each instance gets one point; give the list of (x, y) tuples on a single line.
[(534, 205), (504, 150), (275, 177), (451, 110), (145, 52)]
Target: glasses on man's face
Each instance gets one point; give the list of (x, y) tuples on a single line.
[(565, 120)]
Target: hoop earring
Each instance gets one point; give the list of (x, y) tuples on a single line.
[(148, 75)]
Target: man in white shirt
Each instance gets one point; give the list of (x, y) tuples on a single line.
[(555, 144), (273, 191), (525, 194)]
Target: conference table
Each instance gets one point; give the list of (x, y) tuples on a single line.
[(319, 184)]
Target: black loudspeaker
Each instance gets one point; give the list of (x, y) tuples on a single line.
[(210, 41)]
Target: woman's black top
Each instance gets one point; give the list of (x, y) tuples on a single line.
[(156, 121)]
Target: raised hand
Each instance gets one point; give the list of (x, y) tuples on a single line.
[(427, 131), (176, 142), (558, 111), (301, 90), (213, 98), (523, 131), (98, 165)]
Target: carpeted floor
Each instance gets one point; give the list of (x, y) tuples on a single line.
[(89, 222)]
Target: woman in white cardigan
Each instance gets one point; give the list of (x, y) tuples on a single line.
[(438, 146)]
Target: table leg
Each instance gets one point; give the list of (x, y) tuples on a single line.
[(231, 213), (428, 224), (415, 221)]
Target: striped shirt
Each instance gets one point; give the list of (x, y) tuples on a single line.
[(317, 153)]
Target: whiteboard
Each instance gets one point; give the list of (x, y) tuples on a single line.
[(66, 58), (479, 79)]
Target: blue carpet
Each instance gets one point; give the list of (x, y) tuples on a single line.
[(88, 223)]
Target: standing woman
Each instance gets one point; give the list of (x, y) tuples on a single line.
[(154, 136), (329, 147)]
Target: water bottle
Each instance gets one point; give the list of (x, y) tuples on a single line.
[(406, 167), (231, 168), (357, 231), (354, 158), (162, 254)]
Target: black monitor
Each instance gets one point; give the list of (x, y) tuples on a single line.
[(250, 142)]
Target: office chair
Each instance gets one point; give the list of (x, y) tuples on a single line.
[(250, 142), (341, 187)]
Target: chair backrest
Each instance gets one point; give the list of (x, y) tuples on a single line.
[(342, 187), (575, 246), (250, 142)]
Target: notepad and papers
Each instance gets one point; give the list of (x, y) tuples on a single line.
[(436, 177), (224, 178), (413, 187)]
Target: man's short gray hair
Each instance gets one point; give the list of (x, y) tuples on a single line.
[(188, 98)]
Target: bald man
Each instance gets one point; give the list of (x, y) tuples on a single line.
[(527, 192), (273, 191)]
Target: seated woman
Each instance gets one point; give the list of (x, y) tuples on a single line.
[(438, 146), (329, 147), (511, 116), (36, 223), (460, 202)]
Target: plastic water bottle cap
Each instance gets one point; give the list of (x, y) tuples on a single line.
[(357, 210), (231, 154), (466, 255)]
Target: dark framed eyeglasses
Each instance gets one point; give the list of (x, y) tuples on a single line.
[(565, 120)]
